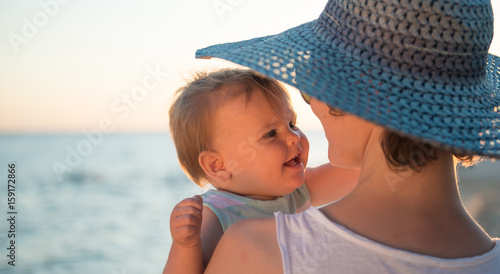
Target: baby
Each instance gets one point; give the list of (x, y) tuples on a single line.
[(236, 130)]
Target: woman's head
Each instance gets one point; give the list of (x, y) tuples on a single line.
[(421, 70), (193, 111), (348, 136)]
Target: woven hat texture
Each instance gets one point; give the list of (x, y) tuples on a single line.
[(419, 67)]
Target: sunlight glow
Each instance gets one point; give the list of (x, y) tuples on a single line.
[(66, 65)]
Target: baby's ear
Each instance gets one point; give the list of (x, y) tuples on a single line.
[(212, 163)]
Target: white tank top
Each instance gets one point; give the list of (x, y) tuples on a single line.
[(311, 243)]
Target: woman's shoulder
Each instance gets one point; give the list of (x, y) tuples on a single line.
[(248, 246)]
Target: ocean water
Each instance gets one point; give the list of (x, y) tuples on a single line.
[(108, 212), (101, 204)]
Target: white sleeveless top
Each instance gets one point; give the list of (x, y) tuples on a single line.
[(311, 243)]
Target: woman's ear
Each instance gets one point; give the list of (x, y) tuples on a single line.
[(212, 163)]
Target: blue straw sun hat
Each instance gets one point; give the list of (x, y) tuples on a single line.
[(419, 67)]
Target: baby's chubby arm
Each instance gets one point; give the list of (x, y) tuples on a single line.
[(185, 226), (327, 183)]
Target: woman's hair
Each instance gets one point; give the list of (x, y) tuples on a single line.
[(402, 152), (192, 113)]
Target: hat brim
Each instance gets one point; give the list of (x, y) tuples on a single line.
[(462, 117)]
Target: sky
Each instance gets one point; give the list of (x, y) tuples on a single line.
[(73, 65)]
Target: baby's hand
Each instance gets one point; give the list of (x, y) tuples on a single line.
[(185, 221)]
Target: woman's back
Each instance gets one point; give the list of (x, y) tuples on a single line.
[(311, 243)]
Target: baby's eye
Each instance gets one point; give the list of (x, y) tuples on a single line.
[(292, 124), (270, 134)]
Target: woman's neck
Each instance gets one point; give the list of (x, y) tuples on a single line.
[(436, 182)]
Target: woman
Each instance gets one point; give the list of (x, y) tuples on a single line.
[(400, 87)]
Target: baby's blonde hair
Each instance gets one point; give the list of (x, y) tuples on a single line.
[(192, 111)]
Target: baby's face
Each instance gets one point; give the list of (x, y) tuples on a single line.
[(265, 154)]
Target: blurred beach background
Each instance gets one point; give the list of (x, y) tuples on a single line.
[(84, 92)]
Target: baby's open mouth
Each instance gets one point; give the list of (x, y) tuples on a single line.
[(293, 162)]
